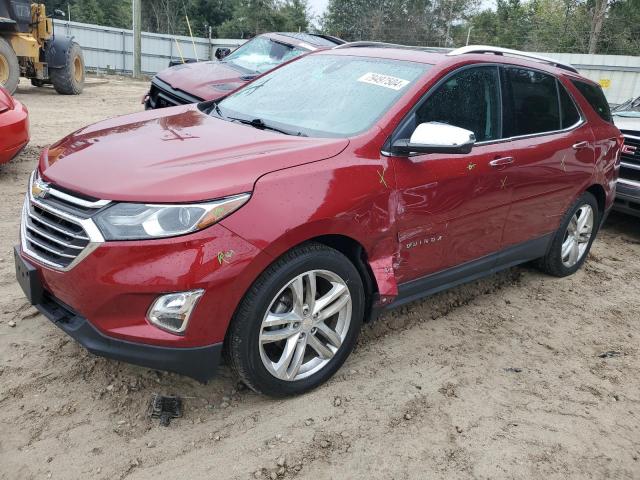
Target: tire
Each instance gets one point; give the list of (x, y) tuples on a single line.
[(69, 80), (559, 265), (9, 67), (36, 82), (250, 348)]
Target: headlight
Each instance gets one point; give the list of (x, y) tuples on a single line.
[(136, 221)]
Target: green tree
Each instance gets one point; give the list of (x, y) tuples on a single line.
[(251, 17)]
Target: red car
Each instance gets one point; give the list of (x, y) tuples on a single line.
[(272, 224), (14, 126), (195, 82)]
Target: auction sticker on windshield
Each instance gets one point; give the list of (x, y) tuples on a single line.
[(387, 81)]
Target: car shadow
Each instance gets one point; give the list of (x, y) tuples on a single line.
[(623, 224)]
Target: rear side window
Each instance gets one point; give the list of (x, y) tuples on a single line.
[(469, 99), (593, 94), (569, 114), (533, 102)]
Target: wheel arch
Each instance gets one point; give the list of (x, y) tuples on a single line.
[(357, 254), (350, 247), (56, 49), (598, 191)]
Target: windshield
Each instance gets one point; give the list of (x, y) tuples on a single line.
[(324, 95), (262, 54)]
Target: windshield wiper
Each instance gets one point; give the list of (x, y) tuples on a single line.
[(259, 124), (218, 111)]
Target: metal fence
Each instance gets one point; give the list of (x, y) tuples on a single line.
[(619, 75), (107, 48)]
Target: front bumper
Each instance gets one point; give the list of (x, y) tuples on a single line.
[(627, 197), (200, 363)]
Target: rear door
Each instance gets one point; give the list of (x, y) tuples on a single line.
[(553, 151)]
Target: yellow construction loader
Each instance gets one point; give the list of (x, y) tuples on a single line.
[(30, 47)]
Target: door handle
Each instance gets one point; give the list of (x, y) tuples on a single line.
[(580, 145), (501, 162)]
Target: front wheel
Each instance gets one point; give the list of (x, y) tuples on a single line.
[(298, 323), (573, 240)]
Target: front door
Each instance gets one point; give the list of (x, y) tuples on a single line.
[(452, 208)]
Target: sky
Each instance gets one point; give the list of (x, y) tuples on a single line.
[(319, 6)]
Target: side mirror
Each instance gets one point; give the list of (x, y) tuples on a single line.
[(222, 52), (436, 137), (59, 13)]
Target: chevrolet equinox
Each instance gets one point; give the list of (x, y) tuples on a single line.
[(269, 225)]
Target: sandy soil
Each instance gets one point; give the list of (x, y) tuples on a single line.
[(498, 379)]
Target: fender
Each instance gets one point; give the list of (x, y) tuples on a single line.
[(55, 51), (379, 255)]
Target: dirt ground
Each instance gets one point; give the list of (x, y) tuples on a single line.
[(501, 378)]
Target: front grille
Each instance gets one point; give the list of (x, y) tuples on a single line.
[(630, 159), (162, 99), (53, 238), (162, 95), (56, 229)]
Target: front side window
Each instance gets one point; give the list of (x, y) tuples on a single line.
[(324, 95), (262, 54), (533, 102), (596, 99), (469, 99)]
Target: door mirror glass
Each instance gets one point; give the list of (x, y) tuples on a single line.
[(222, 52), (436, 137)]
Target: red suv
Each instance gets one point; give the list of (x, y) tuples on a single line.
[(270, 225)]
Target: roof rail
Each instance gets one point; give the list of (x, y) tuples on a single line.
[(331, 38), (366, 43), (513, 53)]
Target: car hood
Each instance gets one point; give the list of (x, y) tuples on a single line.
[(205, 80), (626, 123), (177, 154)]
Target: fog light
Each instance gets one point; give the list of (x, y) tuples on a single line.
[(171, 312)]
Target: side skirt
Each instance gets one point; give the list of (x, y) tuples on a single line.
[(468, 272)]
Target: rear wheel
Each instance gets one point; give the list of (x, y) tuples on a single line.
[(9, 67), (69, 80), (573, 240), (298, 323), (36, 82)]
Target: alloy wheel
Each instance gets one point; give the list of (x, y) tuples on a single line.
[(305, 325), (577, 236)]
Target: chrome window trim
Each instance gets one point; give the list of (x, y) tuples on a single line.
[(559, 84)]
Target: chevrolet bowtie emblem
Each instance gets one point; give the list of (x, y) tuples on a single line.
[(39, 189)]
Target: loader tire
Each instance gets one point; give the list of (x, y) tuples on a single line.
[(9, 67), (69, 80)]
